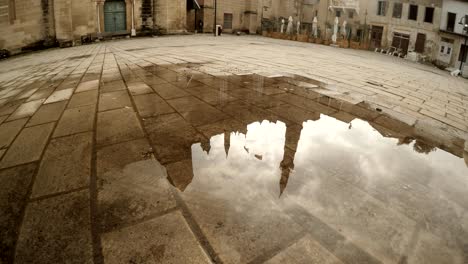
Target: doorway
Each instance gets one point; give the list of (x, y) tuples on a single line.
[(376, 36), (115, 16), (420, 43), (401, 42)]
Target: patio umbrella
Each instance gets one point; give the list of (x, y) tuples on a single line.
[(314, 27), (335, 30)]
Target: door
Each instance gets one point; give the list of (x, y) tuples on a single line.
[(376, 36), (401, 42), (114, 16), (420, 43)]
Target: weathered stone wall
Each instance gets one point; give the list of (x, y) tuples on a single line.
[(245, 14), (171, 16), (25, 27)]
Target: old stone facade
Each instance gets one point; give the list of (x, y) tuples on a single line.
[(34, 24)]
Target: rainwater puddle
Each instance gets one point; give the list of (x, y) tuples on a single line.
[(360, 195)]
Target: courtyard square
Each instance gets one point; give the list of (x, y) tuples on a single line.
[(232, 149)]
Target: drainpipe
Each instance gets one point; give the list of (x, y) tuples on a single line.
[(133, 19)]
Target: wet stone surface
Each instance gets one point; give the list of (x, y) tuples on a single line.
[(123, 153)]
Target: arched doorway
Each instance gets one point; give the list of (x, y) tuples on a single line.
[(115, 16)]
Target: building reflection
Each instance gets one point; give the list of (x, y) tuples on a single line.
[(268, 148)]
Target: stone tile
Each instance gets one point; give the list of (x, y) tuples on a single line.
[(47, 113), (295, 114), (26, 110), (41, 94), (10, 107), (66, 165), (113, 86), (203, 115), (15, 184), (186, 104), (59, 95), (139, 88), (172, 137), (169, 91), (221, 127), (151, 105), (83, 99), (307, 251), (28, 146), (87, 86), (76, 120), (3, 118), (132, 184), (56, 230), (118, 125), (114, 100), (9, 130), (166, 239)]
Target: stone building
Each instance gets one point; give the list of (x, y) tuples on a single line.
[(409, 26), (29, 24), (452, 50), (233, 16)]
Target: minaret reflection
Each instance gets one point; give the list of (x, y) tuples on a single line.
[(293, 135), (231, 150), (227, 142)]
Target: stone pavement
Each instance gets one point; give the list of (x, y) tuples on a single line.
[(195, 149)]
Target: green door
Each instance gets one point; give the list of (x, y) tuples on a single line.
[(114, 16)]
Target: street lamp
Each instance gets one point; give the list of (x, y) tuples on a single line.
[(464, 23)]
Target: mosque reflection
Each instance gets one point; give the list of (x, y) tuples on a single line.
[(275, 149)]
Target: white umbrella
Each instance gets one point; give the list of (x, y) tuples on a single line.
[(335, 30), (282, 26), (314, 27), (290, 26), (343, 30)]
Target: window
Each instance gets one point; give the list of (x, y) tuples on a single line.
[(397, 8), (413, 12), (382, 8), (429, 15), (351, 14), (338, 13), (442, 49), (451, 17), (227, 21), (449, 50)]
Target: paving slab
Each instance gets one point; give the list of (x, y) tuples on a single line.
[(166, 239), (9, 130), (132, 184), (26, 110), (114, 100), (117, 126), (59, 95), (151, 105), (56, 230), (66, 165), (76, 120), (28, 146), (48, 113), (83, 99), (15, 184), (87, 86)]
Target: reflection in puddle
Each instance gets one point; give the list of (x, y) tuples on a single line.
[(390, 198)]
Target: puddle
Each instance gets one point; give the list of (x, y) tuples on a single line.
[(353, 177), (366, 191)]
